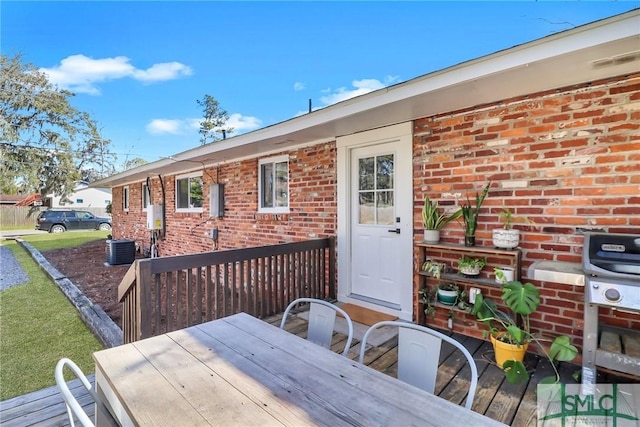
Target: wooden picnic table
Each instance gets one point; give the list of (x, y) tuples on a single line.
[(240, 370)]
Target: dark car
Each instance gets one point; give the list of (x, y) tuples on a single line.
[(58, 221)]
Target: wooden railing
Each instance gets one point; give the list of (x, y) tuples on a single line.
[(160, 295)]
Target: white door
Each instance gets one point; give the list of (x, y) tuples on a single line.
[(379, 222)]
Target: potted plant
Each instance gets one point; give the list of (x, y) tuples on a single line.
[(470, 266), (434, 220), (508, 237), (504, 274), (428, 299), (511, 337), (434, 268), (469, 215), (448, 293)]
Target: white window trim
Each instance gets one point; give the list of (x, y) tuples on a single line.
[(267, 160), (127, 199), (144, 185), (189, 175)]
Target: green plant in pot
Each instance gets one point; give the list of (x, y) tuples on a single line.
[(508, 237), (434, 220), (470, 214), (513, 336), (434, 268), (448, 293), (428, 300), (470, 266)]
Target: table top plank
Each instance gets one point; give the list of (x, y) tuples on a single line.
[(311, 390), (214, 398), (284, 402), (136, 382), (373, 396)]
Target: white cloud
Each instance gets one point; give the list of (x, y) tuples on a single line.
[(81, 74), (298, 86), (160, 72), (162, 126), (360, 87), (238, 122), (241, 123)]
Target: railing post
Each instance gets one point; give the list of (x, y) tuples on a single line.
[(332, 267), (144, 312)]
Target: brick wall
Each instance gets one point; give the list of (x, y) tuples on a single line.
[(312, 193), (568, 159)]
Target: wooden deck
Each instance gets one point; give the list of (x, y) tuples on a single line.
[(496, 398)]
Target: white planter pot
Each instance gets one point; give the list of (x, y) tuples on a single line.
[(470, 271), (509, 275), (506, 239), (432, 236)]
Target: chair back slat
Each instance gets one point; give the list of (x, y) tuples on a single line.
[(419, 348), (321, 322), (418, 355)]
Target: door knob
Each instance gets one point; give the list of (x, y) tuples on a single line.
[(395, 230)]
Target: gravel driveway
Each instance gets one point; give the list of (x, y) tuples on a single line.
[(12, 273)]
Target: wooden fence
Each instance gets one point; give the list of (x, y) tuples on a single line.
[(160, 295)]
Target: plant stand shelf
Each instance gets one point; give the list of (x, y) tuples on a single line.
[(450, 254)]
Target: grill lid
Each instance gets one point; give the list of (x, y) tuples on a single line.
[(612, 255)]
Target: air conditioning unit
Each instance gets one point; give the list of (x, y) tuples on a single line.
[(121, 251)]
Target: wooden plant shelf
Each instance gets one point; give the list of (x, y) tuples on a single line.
[(450, 254)]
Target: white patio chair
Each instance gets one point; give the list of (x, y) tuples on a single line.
[(73, 407), (322, 318), (419, 354)]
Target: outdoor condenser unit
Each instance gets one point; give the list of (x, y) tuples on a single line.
[(121, 251), (154, 217)]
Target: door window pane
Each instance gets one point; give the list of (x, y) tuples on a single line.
[(366, 208), (384, 208), (367, 177), (384, 167), (376, 190)]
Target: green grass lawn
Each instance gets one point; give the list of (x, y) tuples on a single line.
[(38, 325)]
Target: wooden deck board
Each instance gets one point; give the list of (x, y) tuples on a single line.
[(495, 397)]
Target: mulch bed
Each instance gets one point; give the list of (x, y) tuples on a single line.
[(87, 268)]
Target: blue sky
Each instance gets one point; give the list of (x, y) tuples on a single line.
[(139, 67)]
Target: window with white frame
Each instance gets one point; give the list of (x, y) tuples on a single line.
[(146, 197), (125, 198), (189, 193), (273, 184)]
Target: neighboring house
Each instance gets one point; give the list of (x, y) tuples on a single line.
[(11, 199), (554, 124), (83, 196)]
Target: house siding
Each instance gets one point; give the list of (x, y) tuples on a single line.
[(568, 159)]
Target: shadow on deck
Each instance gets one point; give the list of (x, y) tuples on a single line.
[(495, 397)]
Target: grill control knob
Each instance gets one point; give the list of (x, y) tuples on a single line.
[(612, 294)]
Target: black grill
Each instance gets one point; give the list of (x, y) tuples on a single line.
[(611, 263)]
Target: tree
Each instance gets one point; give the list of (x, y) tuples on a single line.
[(45, 143), (215, 119), (133, 163)]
